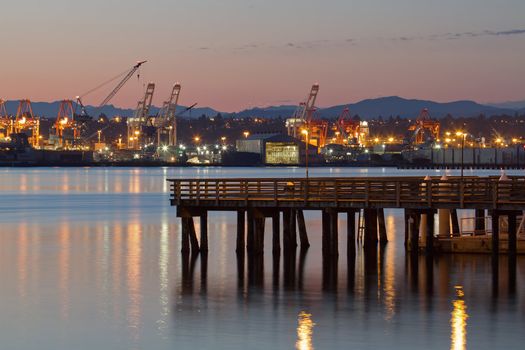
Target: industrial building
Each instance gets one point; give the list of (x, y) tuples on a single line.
[(278, 149)]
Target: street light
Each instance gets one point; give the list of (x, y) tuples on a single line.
[(305, 133), (463, 136)]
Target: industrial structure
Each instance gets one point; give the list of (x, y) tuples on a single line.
[(66, 128), (139, 127), (166, 121), (27, 123), (6, 123), (425, 128)]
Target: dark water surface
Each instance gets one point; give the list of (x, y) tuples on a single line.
[(90, 259)]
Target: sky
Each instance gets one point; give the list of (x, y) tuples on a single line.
[(236, 54)]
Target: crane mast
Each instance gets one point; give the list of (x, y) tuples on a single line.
[(65, 121), (6, 123), (121, 83), (25, 120), (303, 114), (167, 118), (139, 120)]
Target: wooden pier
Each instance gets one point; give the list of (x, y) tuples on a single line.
[(254, 200)]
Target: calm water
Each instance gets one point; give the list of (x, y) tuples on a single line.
[(90, 258)]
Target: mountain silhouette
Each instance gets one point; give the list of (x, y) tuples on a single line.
[(366, 109)]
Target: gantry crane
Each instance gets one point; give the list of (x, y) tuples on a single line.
[(303, 113), (6, 123), (425, 128), (137, 135), (167, 121), (346, 129), (66, 122), (26, 121)]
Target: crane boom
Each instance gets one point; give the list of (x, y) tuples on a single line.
[(121, 83)]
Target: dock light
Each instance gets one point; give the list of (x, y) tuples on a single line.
[(447, 133), (514, 140), (246, 134), (22, 121), (224, 148), (447, 140), (196, 138), (376, 140), (63, 121), (137, 132), (164, 148), (223, 138), (390, 139)]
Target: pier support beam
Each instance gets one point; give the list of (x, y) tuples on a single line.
[(455, 222), (193, 236), (370, 239), (495, 234), (479, 226), (429, 247), (334, 234), (241, 230), (250, 231), (287, 239), (350, 231), (276, 237), (512, 239), (185, 236), (204, 232), (413, 229), (303, 235), (444, 223), (383, 238), (293, 228), (259, 234)]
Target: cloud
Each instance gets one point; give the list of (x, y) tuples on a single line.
[(461, 35)]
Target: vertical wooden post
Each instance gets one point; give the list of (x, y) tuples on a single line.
[(193, 236), (276, 239), (334, 234), (512, 235), (430, 232), (286, 229), (455, 222), (204, 232), (259, 235), (407, 217), (495, 233), (293, 228), (185, 236), (303, 235), (350, 231), (241, 230), (370, 240), (383, 238), (326, 232), (250, 233), (480, 221), (414, 232)]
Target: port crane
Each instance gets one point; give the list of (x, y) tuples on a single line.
[(166, 122), (6, 123), (66, 121), (83, 116), (127, 75), (139, 133), (347, 129), (425, 128), (303, 113), (26, 121)]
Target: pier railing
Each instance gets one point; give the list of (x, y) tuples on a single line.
[(394, 192)]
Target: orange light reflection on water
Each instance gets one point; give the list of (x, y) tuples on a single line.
[(458, 321), (304, 331)]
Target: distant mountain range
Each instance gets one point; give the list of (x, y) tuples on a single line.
[(366, 109), (50, 109)]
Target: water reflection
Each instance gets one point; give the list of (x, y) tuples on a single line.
[(459, 321), (304, 331)]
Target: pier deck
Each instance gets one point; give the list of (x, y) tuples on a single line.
[(255, 199)]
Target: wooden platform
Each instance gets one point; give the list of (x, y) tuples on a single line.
[(256, 199)]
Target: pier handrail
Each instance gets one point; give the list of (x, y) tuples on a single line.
[(392, 192)]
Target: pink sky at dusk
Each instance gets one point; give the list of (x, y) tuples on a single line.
[(238, 54)]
